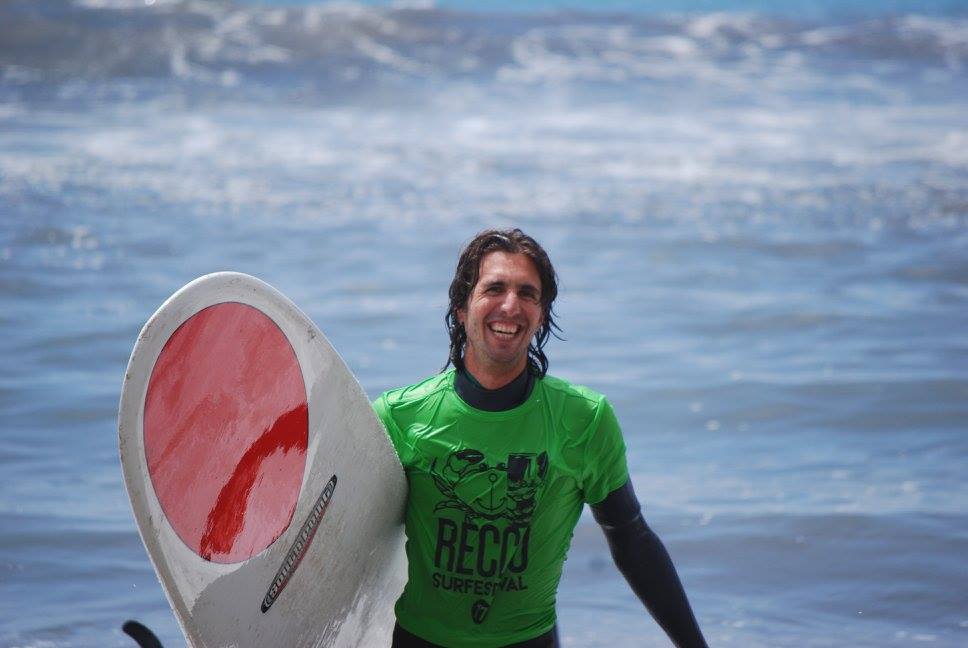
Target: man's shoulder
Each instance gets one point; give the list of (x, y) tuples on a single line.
[(576, 403), (579, 414), (419, 391), (579, 394)]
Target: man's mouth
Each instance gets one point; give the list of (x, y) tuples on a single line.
[(504, 329)]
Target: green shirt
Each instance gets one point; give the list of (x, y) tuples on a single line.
[(494, 499)]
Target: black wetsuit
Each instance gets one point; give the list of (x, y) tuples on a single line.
[(637, 551)]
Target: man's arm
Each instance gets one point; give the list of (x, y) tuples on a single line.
[(646, 565)]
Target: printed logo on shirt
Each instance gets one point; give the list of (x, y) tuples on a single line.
[(483, 549), (479, 610)]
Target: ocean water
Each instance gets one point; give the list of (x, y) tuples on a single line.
[(758, 217)]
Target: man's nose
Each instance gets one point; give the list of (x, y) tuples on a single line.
[(511, 304)]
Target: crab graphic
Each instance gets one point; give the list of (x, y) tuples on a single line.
[(507, 490)]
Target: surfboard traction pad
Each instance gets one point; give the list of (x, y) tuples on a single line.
[(342, 591)]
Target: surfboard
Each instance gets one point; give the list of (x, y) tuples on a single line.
[(265, 490)]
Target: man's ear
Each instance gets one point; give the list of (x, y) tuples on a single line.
[(461, 316)]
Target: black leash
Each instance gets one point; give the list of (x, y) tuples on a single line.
[(142, 635)]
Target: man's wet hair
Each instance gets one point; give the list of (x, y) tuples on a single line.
[(512, 241)]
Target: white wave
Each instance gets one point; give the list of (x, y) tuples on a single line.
[(124, 5), (721, 24), (824, 35), (201, 38), (949, 32), (386, 55)]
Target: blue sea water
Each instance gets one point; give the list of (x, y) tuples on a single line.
[(757, 211)]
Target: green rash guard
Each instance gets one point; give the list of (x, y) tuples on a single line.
[(494, 499)]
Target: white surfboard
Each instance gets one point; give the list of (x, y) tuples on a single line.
[(265, 490)]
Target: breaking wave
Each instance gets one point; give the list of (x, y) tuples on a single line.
[(324, 46)]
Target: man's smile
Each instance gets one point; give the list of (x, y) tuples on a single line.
[(505, 330)]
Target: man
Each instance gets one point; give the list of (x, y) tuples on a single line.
[(500, 458)]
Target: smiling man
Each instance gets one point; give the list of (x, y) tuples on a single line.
[(501, 458)]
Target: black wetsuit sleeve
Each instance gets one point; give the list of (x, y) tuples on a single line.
[(646, 565)]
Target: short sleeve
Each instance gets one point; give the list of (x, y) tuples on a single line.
[(604, 466), (396, 436)]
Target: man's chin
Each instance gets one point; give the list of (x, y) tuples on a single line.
[(505, 362)]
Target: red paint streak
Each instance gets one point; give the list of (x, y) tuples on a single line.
[(225, 520), (226, 427)]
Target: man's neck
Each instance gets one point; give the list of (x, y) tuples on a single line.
[(506, 397), (492, 375)]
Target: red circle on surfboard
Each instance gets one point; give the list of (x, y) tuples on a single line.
[(226, 425)]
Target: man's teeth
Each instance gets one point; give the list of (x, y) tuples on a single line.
[(504, 329)]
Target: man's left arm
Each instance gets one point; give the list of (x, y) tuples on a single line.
[(646, 565)]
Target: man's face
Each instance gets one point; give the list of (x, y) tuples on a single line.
[(502, 314)]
